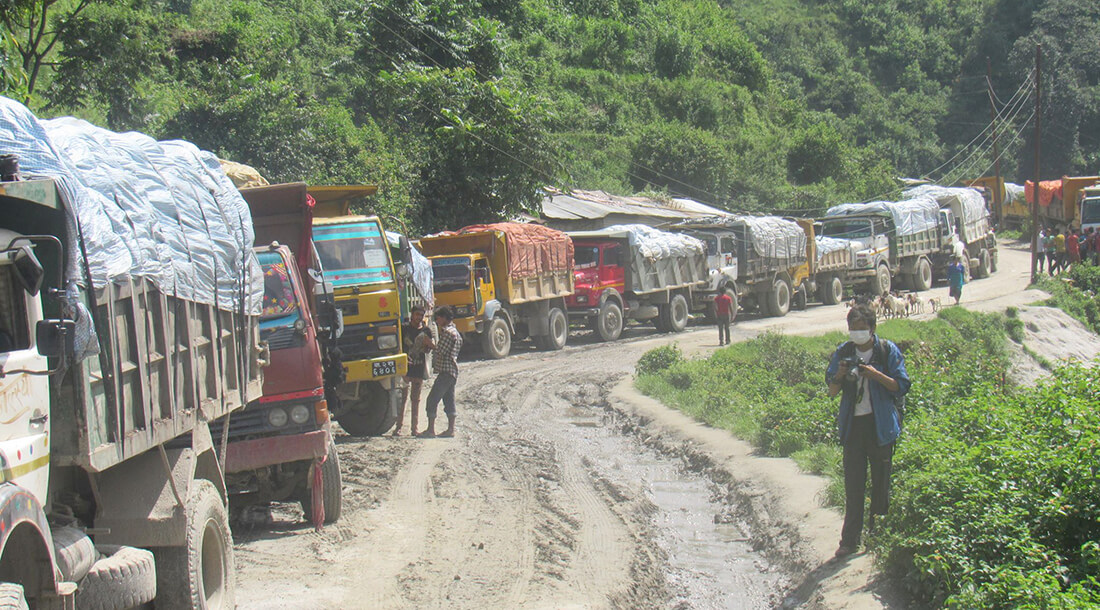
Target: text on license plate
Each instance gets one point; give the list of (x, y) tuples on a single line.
[(386, 367)]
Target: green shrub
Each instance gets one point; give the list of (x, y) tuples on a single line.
[(659, 359)]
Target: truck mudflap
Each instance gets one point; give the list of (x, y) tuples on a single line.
[(259, 453), (375, 369)]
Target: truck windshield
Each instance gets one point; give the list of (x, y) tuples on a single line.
[(450, 274), (585, 256), (353, 253), (1090, 211), (280, 304), (846, 230)]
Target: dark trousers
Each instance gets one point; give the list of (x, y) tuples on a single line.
[(443, 388), (860, 450), (1040, 257), (723, 329)]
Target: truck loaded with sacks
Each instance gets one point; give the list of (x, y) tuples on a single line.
[(505, 281), (130, 301), (636, 272), (906, 239), (965, 211)]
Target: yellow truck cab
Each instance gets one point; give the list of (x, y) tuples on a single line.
[(358, 301), (464, 283)]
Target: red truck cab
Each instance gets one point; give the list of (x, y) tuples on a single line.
[(280, 447), (596, 270)]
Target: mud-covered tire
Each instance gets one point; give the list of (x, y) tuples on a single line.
[(832, 291), (678, 313), (199, 574), (332, 488), (12, 597), (558, 325), (609, 322), (983, 264), (779, 299), (496, 341), (800, 301), (124, 578), (883, 281), (371, 415), (922, 279), (74, 552)]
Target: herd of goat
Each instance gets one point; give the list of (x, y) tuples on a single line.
[(898, 305)]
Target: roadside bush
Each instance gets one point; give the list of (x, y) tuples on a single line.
[(996, 489), (659, 359), (1077, 297)]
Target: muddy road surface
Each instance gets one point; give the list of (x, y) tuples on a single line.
[(547, 498)]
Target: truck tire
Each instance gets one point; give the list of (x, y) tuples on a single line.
[(678, 312), (993, 261), (558, 325), (882, 280), (332, 488), (800, 300), (661, 321), (74, 552), (126, 577), (496, 341), (922, 279), (779, 299), (12, 597), (609, 322), (201, 573), (832, 292), (983, 264), (370, 416)]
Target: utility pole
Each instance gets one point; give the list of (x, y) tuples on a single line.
[(1038, 135), (999, 186)]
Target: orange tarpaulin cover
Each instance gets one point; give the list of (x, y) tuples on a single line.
[(1048, 190), (532, 249)]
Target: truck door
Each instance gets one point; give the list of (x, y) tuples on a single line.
[(24, 399), (613, 266), (484, 290)]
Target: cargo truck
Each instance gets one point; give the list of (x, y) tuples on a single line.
[(119, 345), (964, 209), (1062, 202), (908, 238), (505, 281), (721, 245), (635, 272), (772, 271), (1090, 208), (829, 260)]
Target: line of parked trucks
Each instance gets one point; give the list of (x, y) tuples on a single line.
[(169, 342)]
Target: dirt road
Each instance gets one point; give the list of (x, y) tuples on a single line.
[(547, 498)]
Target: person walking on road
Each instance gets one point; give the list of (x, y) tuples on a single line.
[(869, 373), (723, 311), (415, 338), (445, 365), (956, 277)]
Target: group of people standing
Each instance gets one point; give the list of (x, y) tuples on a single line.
[(418, 341), (1058, 250)]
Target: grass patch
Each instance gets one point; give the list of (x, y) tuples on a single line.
[(996, 495), (1075, 293)]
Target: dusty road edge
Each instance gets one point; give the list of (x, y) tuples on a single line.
[(781, 504)]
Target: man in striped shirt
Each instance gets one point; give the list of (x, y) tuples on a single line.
[(445, 363)]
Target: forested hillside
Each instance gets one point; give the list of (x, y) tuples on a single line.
[(461, 111)]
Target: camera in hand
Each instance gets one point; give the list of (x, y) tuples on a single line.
[(853, 363)]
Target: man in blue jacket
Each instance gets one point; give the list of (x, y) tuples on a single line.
[(869, 374)]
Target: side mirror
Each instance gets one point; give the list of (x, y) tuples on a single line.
[(29, 270), (56, 338), (406, 250)]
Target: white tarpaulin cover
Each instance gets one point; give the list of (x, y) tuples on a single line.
[(970, 201), (774, 237), (1014, 193), (910, 216), (657, 245), (826, 245), (421, 269), (160, 210)]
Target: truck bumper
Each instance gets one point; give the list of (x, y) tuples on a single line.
[(862, 273), (259, 453), (583, 312)]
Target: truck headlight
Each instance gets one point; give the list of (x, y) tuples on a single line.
[(299, 414), (387, 341), (277, 417)]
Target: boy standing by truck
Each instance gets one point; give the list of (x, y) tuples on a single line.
[(445, 364), (416, 337), (723, 308)]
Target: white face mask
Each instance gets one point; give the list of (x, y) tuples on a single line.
[(859, 337)]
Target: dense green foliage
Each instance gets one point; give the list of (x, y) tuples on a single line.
[(1078, 295), (996, 498), (461, 111)]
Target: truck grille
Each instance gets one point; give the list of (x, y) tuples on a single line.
[(252, 422), (282, 338), (354, 344)]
